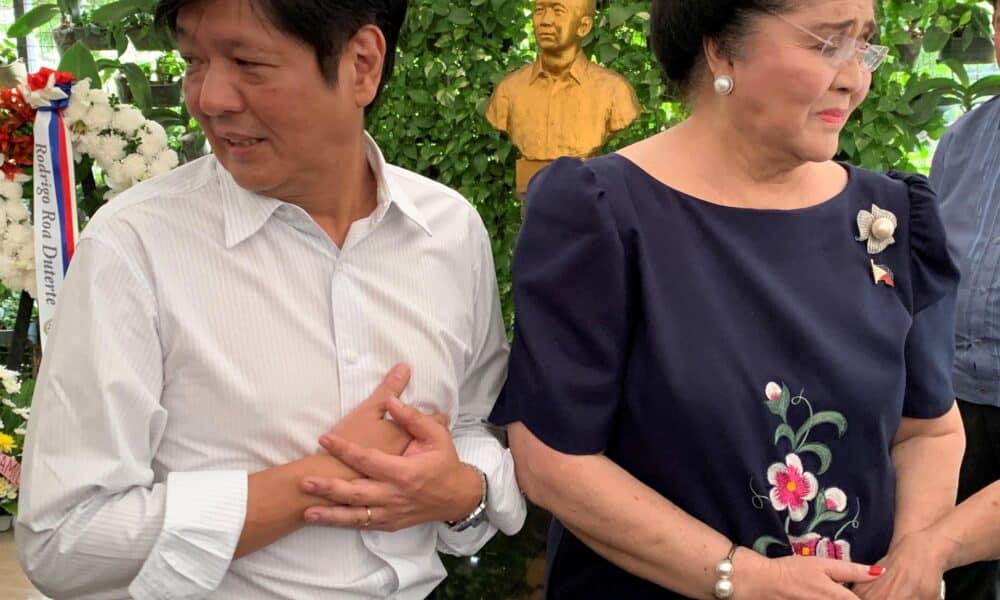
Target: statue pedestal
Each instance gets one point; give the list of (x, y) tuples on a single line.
[(525, 170)]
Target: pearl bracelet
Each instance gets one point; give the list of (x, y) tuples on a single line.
[(724, 586)]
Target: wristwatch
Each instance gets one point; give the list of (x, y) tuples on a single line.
[(478, 514)]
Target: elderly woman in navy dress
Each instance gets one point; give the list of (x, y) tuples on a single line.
[(731, 368)]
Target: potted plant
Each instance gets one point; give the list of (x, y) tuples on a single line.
[(161, 78), (75, 26), (971, 41), (144, 33), (12, 70), (165, 83)]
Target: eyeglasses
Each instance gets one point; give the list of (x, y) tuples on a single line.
[(840, 48)]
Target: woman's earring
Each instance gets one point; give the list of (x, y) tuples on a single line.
[(724, 85)]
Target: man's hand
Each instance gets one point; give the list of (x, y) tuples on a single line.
[(366, 424), (275, 502), (427, 483)]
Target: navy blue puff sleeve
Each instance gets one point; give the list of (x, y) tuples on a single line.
[(571, 322), (934, 280)]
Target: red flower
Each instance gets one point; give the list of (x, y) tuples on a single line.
[(17, 143), (40, 80)]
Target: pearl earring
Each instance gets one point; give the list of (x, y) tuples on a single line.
[(724, 85)]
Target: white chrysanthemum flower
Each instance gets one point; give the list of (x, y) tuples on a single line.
[(81, 91), (99, 117), (18, 235), (16, 210), (99, 97), (76, 111), (24, 413), (135, 168), (128, 120), (10, 190), (152, 141), (114, 177), (88, 143), (8, 403), (110, 148), (164, 162)]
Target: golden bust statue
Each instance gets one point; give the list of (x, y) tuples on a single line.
[(563, 104)]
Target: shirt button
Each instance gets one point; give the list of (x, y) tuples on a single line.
[(351, 357)]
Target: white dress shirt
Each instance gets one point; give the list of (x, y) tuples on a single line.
[(205, 333)]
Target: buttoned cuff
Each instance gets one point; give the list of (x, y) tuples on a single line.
[(505, 508), (205, 513)]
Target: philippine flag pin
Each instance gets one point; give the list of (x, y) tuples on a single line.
[(882, 274)]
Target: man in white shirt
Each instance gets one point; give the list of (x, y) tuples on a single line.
[(218, 321)]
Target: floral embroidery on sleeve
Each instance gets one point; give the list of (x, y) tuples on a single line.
[(815, 523)]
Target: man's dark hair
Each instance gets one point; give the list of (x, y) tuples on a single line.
[(678, 29), (324, 25)]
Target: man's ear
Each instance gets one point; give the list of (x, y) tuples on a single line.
[(586, 26), (362, 64)]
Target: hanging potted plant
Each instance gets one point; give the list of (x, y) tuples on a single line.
[(12, 70), (144, 33), (971, 42)]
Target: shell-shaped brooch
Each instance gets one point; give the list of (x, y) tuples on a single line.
[(877, 228)]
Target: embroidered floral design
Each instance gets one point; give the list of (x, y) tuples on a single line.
[(797, 491), (877, 228), (793, 487), (813, 544)]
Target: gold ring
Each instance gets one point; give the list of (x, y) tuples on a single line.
[(368, 509)]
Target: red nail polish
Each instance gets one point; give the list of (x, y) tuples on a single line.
[(876, 571)]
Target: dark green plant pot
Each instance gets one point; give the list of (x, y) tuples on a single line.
[(166, 94), (162, 94), (979, 52), (92, 36)]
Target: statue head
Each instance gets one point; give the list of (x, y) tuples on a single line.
[(562, 24)]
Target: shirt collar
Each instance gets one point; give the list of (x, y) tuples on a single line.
[(246, 212), (577, 71)]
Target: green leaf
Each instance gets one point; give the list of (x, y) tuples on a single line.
[(460, 16), (138, 84), (32, 20), (935, 39), (113, 13), (826, 417), (120, 39), (167, 117), (821, 452), (764, 542), (988, 86), (80, 62), (784, 431), (619, 13)]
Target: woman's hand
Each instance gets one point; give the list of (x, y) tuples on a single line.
[(802, 578), (914, 569)]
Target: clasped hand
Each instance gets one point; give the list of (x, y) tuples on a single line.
[(426, 482)]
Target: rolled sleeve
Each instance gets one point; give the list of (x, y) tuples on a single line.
[(205, 513), (476, 442)]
